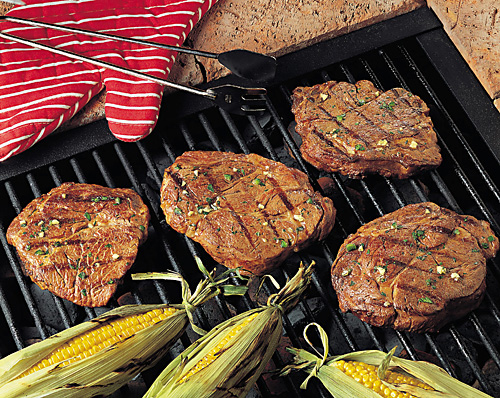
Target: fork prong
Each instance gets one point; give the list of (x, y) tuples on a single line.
[(253, 99), (255, 91), (252, 109)]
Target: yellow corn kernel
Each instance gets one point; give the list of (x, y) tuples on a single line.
[(218, 349), (101, 337), (367, 375)]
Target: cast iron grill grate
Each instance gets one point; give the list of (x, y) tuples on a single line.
[(467, 182)]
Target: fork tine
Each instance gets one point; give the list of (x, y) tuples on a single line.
[(255, 91), (252, 109)]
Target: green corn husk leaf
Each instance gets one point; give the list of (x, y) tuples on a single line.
[(109, 369), (341, 385), (206, 289), (242, 360)]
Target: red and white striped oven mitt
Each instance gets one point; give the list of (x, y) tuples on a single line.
[(40, 90)]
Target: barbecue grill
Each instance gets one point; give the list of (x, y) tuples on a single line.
[(411, 51)]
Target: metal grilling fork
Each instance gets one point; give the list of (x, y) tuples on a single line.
[(233, 99)]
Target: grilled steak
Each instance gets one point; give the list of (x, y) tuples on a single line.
[(415, 269), (245, 210), (79, 239), (356, 130)]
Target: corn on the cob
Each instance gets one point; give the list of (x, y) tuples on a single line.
[(99, 356), (97, 339), (227, 361), (366, 374)]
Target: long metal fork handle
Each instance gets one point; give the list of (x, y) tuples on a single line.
[(107, 65), (109, 36)]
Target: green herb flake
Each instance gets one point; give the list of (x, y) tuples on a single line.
[(284, 243), (485, 245), (57, 244), (309, 200), (430, 282), (340, 117), (142, 228), (383, 294), (82, 275), (210, 187), (227, 177), (41, 252), (425, 300), (177, 167), (389, 106), (108, 245), (418, 234), (359, 147), (456, 232), (177, 211), (84, 292), (352, 283), (350, 247), (491, 238), (28, 247), (111, 282), (117, 201), (87, 216)]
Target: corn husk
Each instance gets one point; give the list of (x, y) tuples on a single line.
[(241, 361), (341, 385), (109, 369)]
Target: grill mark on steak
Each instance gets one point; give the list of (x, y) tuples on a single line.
[(253, 226)]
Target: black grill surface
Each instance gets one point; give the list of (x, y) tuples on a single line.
[(412, 52)]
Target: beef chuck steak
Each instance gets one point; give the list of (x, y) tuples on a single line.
[(414, 269), (79, 240), (245, 210), (357, 130)]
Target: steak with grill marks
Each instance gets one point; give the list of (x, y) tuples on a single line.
[(245, 210), (79, 240), (414, 269), (357, 130)]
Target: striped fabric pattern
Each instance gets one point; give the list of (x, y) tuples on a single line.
[(39, 90)]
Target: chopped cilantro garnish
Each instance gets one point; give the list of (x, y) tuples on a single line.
[(350, 247), (425, 300), (82, 275)]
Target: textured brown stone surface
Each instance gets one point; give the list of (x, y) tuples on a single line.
[(474, 28), (279, 27)]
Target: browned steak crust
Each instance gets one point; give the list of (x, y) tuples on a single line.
[(79, 240), (414, 269), (356, 130), (245, 210)]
